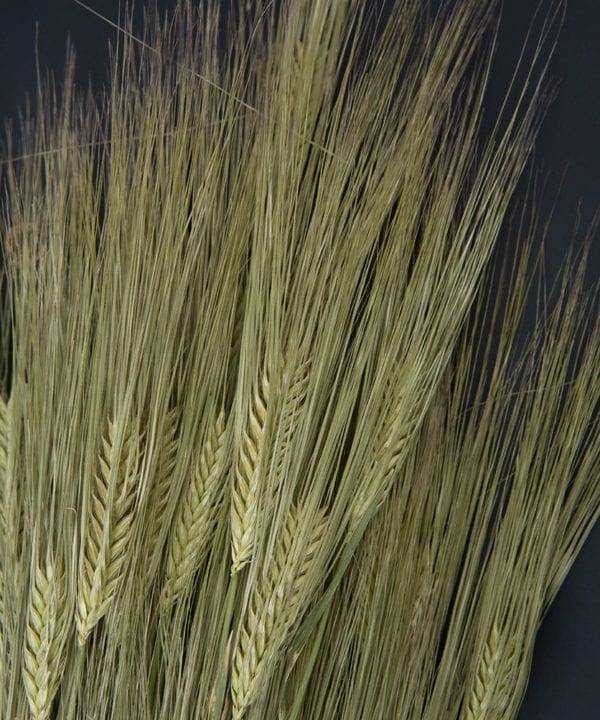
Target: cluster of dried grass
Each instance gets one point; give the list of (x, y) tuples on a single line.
[(270, 444)]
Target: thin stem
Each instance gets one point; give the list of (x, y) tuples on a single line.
[(324, 604), (299, 698), (154, 664), (223, 669), (76, 684)]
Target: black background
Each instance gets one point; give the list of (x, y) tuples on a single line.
[(565, 677)]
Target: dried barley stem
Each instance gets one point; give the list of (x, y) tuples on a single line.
[(108, 528), (236, 336), (244, 494), (197, 515), (274, 605)]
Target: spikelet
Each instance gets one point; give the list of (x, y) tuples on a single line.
[(387, 450), (108, 529), (276, 601), (291, 410), (426, 588), (196, 516), (490, 691), (4, 443), (161, 487), (244, 494), (45, 635), (10, 530)]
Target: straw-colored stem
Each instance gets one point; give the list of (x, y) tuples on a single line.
[(223, 669)]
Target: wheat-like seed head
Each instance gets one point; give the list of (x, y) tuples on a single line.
[(490, 687), (197, 513), (7, 510), (108, 528), (388, 446), (45, 635), (245, 490), (4, 443), (162, 486), (277, 600), (5, 440), (291, 410)]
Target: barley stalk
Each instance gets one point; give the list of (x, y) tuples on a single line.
[(44, 641), (274, 605), (197, 515), (244, 494), (108, 529)]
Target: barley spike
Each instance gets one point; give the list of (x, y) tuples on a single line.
[(162, 486), (44, 641), (483, 690), (108, 530), (274, 606), (196, 516), (244, 496)]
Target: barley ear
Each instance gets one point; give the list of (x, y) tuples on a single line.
[(291, 411), (108, 528), (5, 488), (196, 515), (490, 685), (161, 488), (45, 635), (10, 527), (388, 448), (4, 444), (244, 494), (276, 602)]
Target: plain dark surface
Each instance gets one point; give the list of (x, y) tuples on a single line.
[(565, 679)]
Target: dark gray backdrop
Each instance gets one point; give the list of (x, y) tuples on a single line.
[(565, 678)]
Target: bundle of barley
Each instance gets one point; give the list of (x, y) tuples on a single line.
[(271, 444)]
